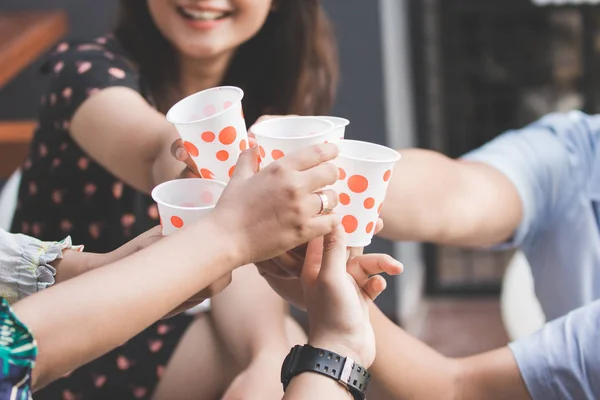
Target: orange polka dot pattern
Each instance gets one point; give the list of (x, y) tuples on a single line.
[(176, 222), (185, 203), (361, 191), (218, 137)]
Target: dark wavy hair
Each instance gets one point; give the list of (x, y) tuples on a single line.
[(289, 67)]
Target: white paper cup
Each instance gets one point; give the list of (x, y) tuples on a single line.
[(182, 202), (365, 172), (280, 136), (211, 124), (339, 124)]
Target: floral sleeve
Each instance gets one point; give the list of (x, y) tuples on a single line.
[(18, 351)]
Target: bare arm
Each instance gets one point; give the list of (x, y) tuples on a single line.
[(433, 198), (87, 316), (408, 369), (67, 332), (121, 131), (250, 316), (75, 263)]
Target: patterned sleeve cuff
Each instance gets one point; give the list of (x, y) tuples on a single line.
[(25, 264)]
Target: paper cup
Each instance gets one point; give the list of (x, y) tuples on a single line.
[(280, 136), (182, 202), (339, 124), (365, 172), (211, 124)]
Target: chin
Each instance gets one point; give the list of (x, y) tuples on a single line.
[(203, 51)]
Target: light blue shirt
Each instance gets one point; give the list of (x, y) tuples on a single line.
[(555, 166), (562, 361)]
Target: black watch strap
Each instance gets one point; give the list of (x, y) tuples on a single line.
[(344, 370)]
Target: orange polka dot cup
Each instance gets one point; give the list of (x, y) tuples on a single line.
[(365, 171), (280, 136), (212, 126), (339, 126), (182, 202)]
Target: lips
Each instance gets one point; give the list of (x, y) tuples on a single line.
[(202, 15)]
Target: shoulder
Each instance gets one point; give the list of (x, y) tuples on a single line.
[(104, 49), (81, 68)]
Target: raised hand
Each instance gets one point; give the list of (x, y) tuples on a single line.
[(269, 212), (338, 294)]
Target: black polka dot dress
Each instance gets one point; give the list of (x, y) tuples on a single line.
[(65, 192)]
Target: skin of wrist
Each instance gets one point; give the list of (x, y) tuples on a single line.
[(233, 248)]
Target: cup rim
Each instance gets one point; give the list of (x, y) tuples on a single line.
[(172, 182), (394, 155), (169, 115), (342, 122), (273, 120)]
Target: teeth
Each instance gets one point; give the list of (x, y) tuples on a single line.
[(203, 15)]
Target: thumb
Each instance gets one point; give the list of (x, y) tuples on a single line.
[(312, 262), (334, 256), (247, 164)]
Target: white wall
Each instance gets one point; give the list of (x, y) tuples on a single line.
[(401, 133)]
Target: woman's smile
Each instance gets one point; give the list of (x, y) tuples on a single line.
[(203, 17)]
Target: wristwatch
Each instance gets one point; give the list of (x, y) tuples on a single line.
[(343, 369)]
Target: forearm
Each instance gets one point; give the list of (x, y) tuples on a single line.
[(432, 198), (85, 317), (492, 376), (250, 316), (407, 368), (74, 263), (314, 386)]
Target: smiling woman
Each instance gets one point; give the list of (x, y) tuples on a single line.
[(103, 144)]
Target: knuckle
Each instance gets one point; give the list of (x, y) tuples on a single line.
[(293, 191), (319, 150), (332, 171), (333, 198), (330, 242)]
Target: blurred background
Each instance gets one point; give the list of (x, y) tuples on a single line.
[(447, 75)]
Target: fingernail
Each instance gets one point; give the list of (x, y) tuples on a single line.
[(178, 153)]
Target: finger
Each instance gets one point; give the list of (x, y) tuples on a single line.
[(372, 264), (374, 286), (178, 151), (321, 225), (312, 262), (333, 267), (316, 204), (378, 226), (252, 142), (320, 176), (247, 164), (354, 252), (188, 173), (309, 157)]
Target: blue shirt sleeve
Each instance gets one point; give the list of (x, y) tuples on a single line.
[(548, 162), (562, 361)]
